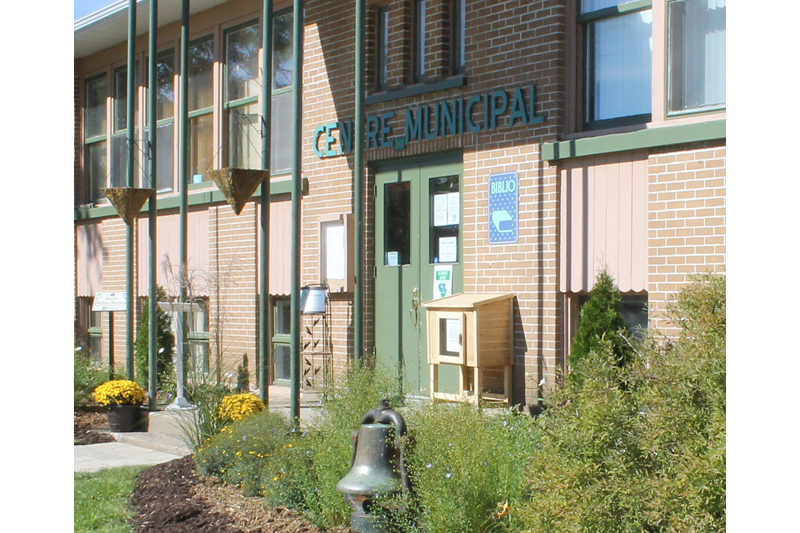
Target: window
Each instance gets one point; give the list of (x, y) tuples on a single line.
[(197, 338), (95, 136), (119, 130), (445, 217), (382, 49), (696, 51), (458, 31), (419, 40), (241, 97), (165, 123), (281, 340), (618, 62), (281, 146), (89, 329), (201, 108)]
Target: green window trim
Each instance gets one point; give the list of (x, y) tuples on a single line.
[(635, 140), (416, 90), (628, 7)]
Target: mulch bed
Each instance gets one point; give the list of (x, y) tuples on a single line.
[(172, 498), (91, 428)]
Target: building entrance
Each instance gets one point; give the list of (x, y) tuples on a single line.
[(418, 238)]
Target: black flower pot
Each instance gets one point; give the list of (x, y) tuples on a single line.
[(127, 418)]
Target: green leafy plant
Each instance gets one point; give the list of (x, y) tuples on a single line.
[(205, 392), (242, 452), (465, 466), (165, 372), (646, 457), (601, 325), (87, 376)]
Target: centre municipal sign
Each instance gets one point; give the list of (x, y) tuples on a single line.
[(503, 208), (427, 121)]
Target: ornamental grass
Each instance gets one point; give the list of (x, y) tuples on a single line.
[(119, 392)]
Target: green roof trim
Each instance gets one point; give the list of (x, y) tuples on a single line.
[(173, 202), (634, 140)]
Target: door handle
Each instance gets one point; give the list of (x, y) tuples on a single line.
[(414, 311)]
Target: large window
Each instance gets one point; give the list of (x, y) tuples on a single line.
[(382, 48), (241, 96), (119, 130), (458, 32), (419, 42), (165, 123), (201, 108), (282, 147), (618, 62), (95, 136), (281, 341), (696, 50)]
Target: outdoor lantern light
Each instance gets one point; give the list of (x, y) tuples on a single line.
[(312, 299), (377, 468)]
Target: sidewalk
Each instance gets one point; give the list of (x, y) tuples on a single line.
[(163, 441)]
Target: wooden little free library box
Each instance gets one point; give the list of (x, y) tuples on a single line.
[(474, 332)]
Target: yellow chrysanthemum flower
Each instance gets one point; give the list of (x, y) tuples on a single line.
[(237, 406), (119, 392)]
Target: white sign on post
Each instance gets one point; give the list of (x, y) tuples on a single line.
[(110, 301)]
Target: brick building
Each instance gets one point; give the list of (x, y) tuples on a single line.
[(511, 147)]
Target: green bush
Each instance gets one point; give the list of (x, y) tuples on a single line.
[(601, 323), (241, 452), (466, 466), (646, 457), (87, 376), (330, 446), (165, 341)]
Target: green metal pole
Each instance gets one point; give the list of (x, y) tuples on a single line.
[(129, 183), (153, 209), (358, 187), (297, 87), (183, 171), (266, 135)]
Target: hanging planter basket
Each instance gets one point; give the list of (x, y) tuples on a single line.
[(128, 201), (238, 185), (128, 418)]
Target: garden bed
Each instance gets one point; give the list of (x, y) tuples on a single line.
[(172, 498)]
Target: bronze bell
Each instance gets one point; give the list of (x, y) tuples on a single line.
[(377, 467)]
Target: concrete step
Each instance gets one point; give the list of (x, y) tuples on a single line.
[(154, 441)]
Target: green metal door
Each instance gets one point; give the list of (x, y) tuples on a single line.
[(417, 232)]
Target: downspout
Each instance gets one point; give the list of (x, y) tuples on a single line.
[(153, 209), (129, 183), (266, 136), (297, 88)]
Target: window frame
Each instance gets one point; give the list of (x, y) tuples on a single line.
[(458, 35), (160, 122), (382, 18), (201, 112), (419, 49), (278, 92), (92, 141), (669, 83), (119, 112), (228, 106), (278, 339), (585, 22)]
